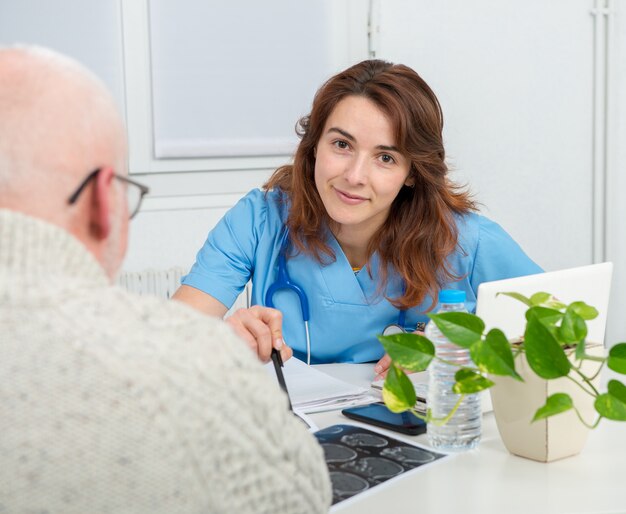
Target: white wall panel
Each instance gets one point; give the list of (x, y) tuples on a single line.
[(232, 78)]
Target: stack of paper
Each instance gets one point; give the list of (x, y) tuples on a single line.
[(312, 390)]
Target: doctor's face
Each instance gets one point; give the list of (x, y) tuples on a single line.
[(358, 167)]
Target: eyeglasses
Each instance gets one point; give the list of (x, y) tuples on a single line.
[(134, 194)]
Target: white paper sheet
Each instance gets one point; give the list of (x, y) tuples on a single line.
[(312, 390)]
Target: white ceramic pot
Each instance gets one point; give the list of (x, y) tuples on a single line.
[(556, 437)]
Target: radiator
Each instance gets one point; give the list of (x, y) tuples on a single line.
[(161, 283)]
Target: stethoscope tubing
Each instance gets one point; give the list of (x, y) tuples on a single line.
[(283, 281)]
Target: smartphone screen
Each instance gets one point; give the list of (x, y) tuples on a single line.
[(378, 414)]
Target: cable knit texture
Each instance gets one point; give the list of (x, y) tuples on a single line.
[(112, 402)]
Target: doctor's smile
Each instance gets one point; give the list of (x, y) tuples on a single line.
[(348, 198)]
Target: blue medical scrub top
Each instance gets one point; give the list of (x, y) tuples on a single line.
[(346, 310)]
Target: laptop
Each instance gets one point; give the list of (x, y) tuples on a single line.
[(590, 284)]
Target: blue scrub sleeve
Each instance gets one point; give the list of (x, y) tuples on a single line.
[(226, 261), (498, 256)]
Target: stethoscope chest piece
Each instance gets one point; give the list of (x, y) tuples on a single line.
[(393, 329), (396, 328)]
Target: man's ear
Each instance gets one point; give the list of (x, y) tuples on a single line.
[(100, 216)]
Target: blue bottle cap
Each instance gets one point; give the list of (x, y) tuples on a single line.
[(451, 296)]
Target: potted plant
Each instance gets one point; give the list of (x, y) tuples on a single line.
[(546, 396)]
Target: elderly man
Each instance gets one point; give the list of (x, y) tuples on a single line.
[(111, 402)]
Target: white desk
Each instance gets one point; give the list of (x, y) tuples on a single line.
[(491, 480)]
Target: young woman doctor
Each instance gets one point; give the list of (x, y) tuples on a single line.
[(365, 222)]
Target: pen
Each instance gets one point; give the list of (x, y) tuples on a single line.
[(278, 364)]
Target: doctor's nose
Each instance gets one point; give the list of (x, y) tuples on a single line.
[(356, 172)]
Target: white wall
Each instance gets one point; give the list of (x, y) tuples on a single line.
[(88, 30), (515, 80)]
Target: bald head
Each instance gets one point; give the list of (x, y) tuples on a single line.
[(57, 123)]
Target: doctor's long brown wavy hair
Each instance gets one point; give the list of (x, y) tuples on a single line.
[(420, 231)]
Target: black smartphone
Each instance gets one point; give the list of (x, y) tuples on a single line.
[(378, 414)]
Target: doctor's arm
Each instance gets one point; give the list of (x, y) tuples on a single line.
[(260, 327)]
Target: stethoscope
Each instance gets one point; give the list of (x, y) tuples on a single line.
[(283, 281)]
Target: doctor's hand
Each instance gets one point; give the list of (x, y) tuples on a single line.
[(262, 329), (382, 366)]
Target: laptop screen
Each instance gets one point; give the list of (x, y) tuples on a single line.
[(590, 284)]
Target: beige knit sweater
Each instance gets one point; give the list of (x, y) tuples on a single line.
[(111, 402)]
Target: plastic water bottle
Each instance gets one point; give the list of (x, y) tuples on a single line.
[(462, 431)]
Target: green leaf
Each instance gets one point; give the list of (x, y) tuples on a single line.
[(519, 297), (468, 382), (585, 311), (573, 328), (617, 389), (545, 314), (398, 391), (540, 298), (543, 352), (555, 404), (612, 404), (409, 351), (555, 304), (461, 328), (494, 355), (580, 349), (617, 358)]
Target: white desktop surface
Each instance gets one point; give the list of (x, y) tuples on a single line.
[(491, 480)]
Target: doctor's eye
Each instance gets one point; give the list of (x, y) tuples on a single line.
[(341, 144), (387, 159)]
